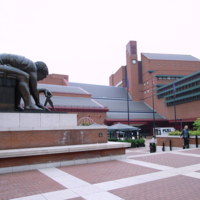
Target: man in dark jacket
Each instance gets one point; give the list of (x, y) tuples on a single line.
[(27, 74), (186, 136)]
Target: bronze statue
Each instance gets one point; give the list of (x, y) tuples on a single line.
[(27, 73)]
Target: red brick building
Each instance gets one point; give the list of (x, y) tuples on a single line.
[(163, 90), (168, 83)]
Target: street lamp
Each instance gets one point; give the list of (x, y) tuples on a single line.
[(153, 103), (127, 95)]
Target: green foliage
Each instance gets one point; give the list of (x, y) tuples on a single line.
[(196, 124), (134, 142), (175, 133), (193, 133), (85, 124), (178, 133)]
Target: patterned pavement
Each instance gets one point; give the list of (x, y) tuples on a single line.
[(141, 176)]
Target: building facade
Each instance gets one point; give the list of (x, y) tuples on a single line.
[(160, 90), (168, 83)]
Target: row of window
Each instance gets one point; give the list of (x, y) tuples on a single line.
[(164, 77), (193, 98), (168, 78), (163, 91), (181, 86)]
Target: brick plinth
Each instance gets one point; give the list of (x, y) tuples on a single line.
[(61, 157), (47, 138)]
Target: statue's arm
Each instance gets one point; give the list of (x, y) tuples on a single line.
[(33, 87)]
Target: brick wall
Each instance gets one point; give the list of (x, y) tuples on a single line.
[(118, 78), (55, 79), (47, 138), (176, 141)]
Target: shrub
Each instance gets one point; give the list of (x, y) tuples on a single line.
[(196, 124), (192, 133), (134, 142), (175, 133)]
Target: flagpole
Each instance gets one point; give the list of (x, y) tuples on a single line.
[(127, 95), (174, 91), (153, 103)]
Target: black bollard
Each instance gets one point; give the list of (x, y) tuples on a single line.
[(170, 145), (197, 143), (163, 147)]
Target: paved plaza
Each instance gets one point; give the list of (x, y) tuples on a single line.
[(141, 176)]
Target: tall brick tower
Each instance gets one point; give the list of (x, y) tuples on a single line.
[(132, 70)]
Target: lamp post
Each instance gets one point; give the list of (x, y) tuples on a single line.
[(174, 94), (153, 103), (127, 86)]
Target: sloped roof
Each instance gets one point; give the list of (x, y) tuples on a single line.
[(101, 91), (112, 98), (72, 102), (121, 105), (133, 116), (63, 89), (115, 99), (158, 56)]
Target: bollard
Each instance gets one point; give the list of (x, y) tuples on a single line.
[(152, 146), (197, 144), (163, 147), (170, 145)]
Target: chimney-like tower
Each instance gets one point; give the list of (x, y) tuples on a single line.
[(132, 70)]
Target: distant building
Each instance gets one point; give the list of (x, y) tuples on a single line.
[(173, 79)]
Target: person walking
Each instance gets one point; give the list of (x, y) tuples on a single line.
[(186, 137)]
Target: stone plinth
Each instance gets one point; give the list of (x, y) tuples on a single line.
[(38, 140), (7, 91), (31, 130), (37, 158), (48, 138), (36, 121)]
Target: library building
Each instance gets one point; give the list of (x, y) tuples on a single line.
[(160, 90)]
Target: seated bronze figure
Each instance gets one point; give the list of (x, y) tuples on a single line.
[(27, 73)]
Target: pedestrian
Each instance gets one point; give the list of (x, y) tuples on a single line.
[(186, 137)]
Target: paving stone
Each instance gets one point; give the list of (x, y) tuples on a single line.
[(178, 188), (171, 160), (22, 184), (106, 171)]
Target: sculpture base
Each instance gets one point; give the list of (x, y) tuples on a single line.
[(38, 140), (31, 130), (49, 138), (7, 88), (37, 158)]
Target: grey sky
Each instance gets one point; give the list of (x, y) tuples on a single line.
[(86, 39)]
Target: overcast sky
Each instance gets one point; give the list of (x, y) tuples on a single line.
[(86, 39)]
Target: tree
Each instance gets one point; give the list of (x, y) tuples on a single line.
[(196, 124)]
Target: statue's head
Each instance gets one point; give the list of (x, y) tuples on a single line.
[(42, 70)]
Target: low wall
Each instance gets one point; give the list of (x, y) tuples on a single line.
[(176, 142), (32, 130), (47, 138), (7, 91), (38, 158)]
